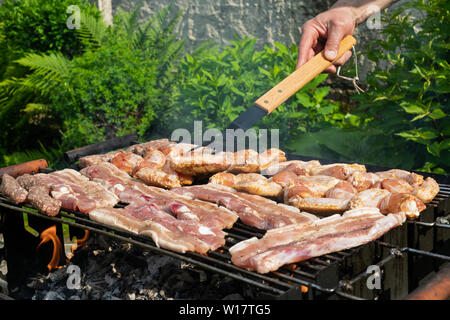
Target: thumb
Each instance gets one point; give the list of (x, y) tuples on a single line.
[(335, 35)]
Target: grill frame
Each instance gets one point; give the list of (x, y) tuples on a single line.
[(324, 277)]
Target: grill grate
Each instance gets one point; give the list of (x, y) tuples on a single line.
[(340, 274), (321, 275)]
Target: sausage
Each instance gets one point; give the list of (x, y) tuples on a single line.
[(437, 288), (23, 168)]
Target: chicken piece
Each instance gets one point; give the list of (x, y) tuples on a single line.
[(299, 190), (12, 190), (408, 204), (320, 206), (301, 167), (200, 163), (224, 179), (411, 177), (319, 185), (342, 190), (285, 178), (253, 183), (159, 177), (270, 157), (338, 170), (126, 161), (427, 190), (143, 148), (396, 186), (364, 180), (154, 159), (368, 198), (245, 161), (96, 159)]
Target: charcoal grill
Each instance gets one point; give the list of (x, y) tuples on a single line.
[(406, 255)]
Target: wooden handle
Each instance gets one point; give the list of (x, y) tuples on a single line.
[(300, 77), (22, 168)]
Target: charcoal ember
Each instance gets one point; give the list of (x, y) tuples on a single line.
[(112, 270), (53, 295)]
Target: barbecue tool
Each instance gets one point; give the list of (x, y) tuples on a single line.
[(287, 88)]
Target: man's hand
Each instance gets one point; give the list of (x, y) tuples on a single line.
[(326, 31)]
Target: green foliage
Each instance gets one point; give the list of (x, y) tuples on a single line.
[(29, 28), (122, 83), (40, 26), (220, 83), (409, 99), (53, 155)]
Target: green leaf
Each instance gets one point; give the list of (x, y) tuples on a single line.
[(434, 149), (437, 114), (445, 144), (411, 108)]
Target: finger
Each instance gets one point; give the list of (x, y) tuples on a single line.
[(342, 60), (330, 69), (309, 36), (335, 35)]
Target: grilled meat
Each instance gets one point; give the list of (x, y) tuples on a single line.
[(338, 170), (253, 210), (299, 242), (12, 190), (253, 183)]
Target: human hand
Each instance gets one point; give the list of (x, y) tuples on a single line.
[(325, 32)]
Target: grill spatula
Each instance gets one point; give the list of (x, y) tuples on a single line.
[(286, 88)]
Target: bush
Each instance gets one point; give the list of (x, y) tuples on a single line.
[(409, 99), (122, 83), (39, 27)]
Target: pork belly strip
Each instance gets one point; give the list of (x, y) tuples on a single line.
[(129, 190), (168, 232), (116, 218), (300, 242), (165, 229), (253, 210), (12, 190)]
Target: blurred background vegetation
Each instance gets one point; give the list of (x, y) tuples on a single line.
[(63, 88)]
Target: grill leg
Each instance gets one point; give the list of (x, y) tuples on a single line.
[(21, 255)]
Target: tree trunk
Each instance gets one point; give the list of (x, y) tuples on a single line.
[(105, 7)]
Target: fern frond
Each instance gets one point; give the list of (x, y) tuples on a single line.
[(48, 71), (92, 31)]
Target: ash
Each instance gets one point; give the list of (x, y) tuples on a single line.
[(106, 269)]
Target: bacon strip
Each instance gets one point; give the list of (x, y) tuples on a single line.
[(253, 210), (129, 190), (300, 242), (146, 218)]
